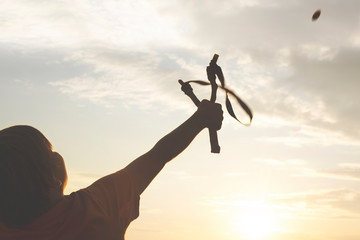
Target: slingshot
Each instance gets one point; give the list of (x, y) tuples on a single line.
[(213, 71)]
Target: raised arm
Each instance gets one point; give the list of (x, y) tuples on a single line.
[(147, 166)]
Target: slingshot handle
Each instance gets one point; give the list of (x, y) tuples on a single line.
[(211, 71), (215, 148)]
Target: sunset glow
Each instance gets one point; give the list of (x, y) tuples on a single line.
[(257, 221)]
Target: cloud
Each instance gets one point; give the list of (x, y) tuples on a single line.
[(334, 84), (106, 54), (37, 65), (299, 135), (286, 162), (41, 24), (338, 203), (316, 94), (264, 24), (75, 24), (185, 176), (143, 79), (344, 171), (333, 203), (301, 168), (308, 75)]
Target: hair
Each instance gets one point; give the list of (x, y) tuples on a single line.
[(25, 175)]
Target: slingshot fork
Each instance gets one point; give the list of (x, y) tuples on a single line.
[(212, 71)]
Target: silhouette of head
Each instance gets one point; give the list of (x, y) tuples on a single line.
[(29, 172)]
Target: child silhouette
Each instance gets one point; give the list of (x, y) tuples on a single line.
[(33, 179)]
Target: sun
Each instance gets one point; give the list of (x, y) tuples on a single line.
[(257, 221)]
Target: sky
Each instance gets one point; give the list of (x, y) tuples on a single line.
[(99, 79)]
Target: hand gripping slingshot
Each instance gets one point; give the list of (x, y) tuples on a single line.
[(213, 71)]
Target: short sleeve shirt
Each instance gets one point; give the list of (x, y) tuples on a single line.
[(101, 211)]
